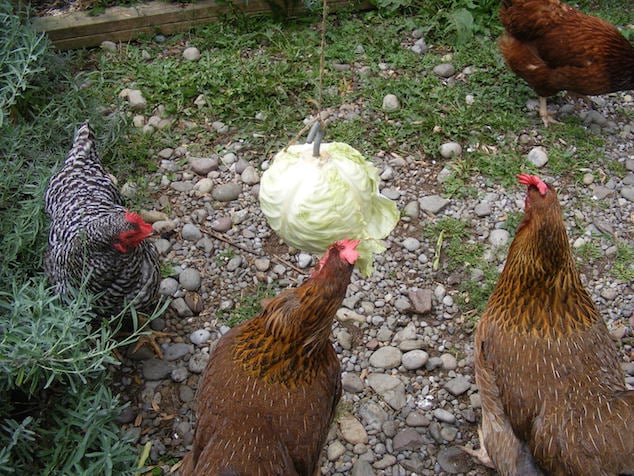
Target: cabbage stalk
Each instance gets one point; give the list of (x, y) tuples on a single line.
[(311, 202)]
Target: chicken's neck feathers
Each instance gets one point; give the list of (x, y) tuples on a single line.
[(540, 289), (287, 341)]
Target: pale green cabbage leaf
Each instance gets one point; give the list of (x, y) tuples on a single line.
[(311, 202)]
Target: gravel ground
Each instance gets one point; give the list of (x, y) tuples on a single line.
[(404, 344)]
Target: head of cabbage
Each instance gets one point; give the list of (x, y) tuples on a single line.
[(311, 202)]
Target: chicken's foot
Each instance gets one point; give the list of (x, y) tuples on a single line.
[(150, 340), (480, 454), (544, 114)]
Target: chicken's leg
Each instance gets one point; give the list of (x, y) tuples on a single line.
[(543, 112), (481, 455), (150, 340)]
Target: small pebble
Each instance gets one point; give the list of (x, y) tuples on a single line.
[(391, 103), (499, 237), (168, 287), (537, 156), (458, 385), (411, 244), (155, 369), (190, 279), (226, 192), (198, 362), (443, 415), (200, 337), (414, 359), (108, 46), (175, 351), (433, 203), (222, 224), (445, 70), (304, 260), (191, 54), (191, 232), (179, 374), (450, 149)]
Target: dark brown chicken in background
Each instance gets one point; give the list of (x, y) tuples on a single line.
[(555, 47), (553, 392), (268, 395)]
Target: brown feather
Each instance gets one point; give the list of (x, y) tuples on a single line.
[(555, 47), (548, 372), (268, 395)]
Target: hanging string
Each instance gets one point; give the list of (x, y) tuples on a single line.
[(322, 60), (317, 125)]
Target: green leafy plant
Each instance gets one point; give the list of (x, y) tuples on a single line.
[(447, 232), (21, 52), (458, 21), (57, 416), (51, 350), (468, 256), (391, 7)]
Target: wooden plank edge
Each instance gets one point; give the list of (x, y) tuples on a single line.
[(127, 18), (126, 25)]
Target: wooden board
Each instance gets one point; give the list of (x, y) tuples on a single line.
[(81, 30)]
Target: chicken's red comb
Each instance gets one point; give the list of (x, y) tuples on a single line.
[(135, 218), (526, 179), (348, 250)]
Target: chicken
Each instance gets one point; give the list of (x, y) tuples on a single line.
[(553, 393), (555, 47), (268, 395), (93, 240)]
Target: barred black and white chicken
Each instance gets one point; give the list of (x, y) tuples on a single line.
[(94, 240)]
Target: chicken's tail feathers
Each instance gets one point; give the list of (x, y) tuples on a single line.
[(84, 148)]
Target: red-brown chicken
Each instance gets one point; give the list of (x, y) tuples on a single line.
[(553, 392), (555, 47), (268, 395)]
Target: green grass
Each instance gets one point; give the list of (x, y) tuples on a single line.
[(248, 304), (513, 220), (281, 62), (450, 226), (588, 252), (623, 267), (474, 294), (459, 253)]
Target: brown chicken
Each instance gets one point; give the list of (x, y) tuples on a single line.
[(555, 47), (270, 389), (554, 399)]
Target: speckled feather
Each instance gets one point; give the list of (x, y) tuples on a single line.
[(86, 212), (270, 389), (555, 47), (552, 389)]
